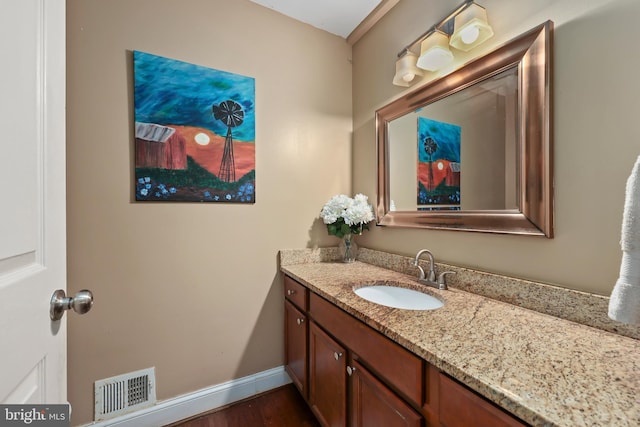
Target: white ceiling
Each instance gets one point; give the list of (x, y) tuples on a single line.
[(339, 17)]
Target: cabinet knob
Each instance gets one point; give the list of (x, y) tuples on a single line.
[(290, 292), (300, 321), (350, 370), (337, 355)]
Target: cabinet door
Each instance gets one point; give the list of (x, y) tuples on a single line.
[(374, 405), (295, 339), (327, 378)]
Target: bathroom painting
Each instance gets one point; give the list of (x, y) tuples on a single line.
[(194, 132), (438, 165)]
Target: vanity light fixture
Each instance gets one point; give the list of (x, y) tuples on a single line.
[(434, 51), (406, 69), (463, 29), (471, 28)]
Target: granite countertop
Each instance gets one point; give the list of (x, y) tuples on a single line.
[(545, 370)]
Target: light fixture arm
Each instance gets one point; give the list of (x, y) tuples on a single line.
[(439, 26)]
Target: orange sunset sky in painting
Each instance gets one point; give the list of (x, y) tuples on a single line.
[(209, 154)]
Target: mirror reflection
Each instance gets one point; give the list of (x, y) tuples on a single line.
[(458, 153)]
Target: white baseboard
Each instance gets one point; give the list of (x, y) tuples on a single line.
[(207, 399)]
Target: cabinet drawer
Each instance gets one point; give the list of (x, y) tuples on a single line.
[(398, 367), (296, 293), (461, 407)]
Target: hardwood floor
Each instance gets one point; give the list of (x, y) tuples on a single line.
[(281, 407)]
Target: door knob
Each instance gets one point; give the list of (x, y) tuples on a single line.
[(60, 302)]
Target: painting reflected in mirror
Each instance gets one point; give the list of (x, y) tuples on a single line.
[(472, 151), (458, 153)]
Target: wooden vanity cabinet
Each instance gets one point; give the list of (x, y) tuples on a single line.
[(343, 392), (296, 332), (357, 376), (352, 375), (398, 368)]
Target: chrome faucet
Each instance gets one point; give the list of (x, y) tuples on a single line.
[(423, 277), (429, 278)]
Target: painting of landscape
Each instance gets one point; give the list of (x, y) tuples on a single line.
[(438, 165), (194, 132)]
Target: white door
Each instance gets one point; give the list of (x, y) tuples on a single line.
[(32, 200)]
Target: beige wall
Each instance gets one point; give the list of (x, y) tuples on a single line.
[(193, 289), (597, 102)]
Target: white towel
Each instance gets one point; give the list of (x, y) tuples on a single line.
[(624, 305), (630, 240)]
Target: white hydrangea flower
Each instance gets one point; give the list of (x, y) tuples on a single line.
[(353, 212), (335, 208), (361, 199), (359, 212)]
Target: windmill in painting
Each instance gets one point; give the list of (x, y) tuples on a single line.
[(194, 132), (231, 114), (438, 165)]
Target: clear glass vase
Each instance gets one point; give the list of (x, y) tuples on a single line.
[(348, 249)]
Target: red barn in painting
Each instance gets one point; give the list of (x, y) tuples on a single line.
[(159, 147), (453, 175)]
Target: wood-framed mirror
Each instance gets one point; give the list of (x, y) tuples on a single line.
[(472, 151)]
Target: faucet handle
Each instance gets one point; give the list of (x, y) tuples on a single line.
[(442, 281)]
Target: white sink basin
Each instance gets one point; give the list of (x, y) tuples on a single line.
[(397, 297)]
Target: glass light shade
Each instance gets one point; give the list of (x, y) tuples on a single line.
[(471, 28), (406, 69), (434, 52)]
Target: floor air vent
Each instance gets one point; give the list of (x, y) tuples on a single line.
[(124, 393)]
